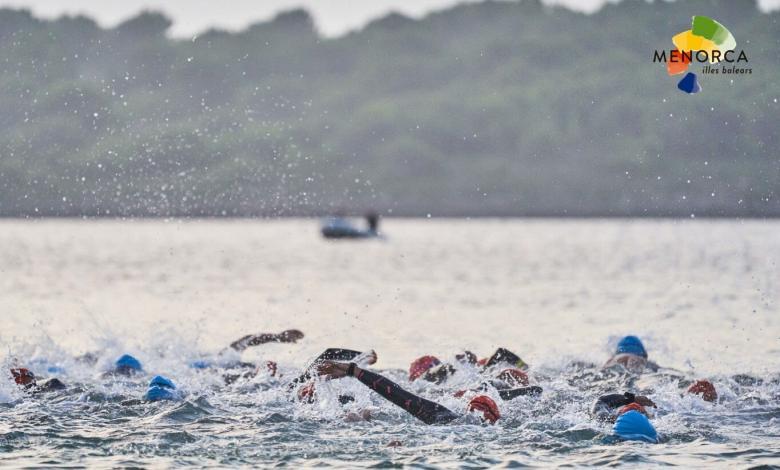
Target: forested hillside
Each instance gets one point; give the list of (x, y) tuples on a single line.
[(497, 108)]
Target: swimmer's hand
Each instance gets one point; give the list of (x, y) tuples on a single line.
[(644, 401), (369, 357), (290, 336), (334, 370)]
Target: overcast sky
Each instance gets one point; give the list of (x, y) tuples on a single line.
[(333, 17)]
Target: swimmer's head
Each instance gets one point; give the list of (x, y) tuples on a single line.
[(466, 357), (421, 365), (162, 382), (23, 376), (631, 345), (486, 406), (127, 365), (632, 407), (161, 388), (704, 389), (513, 377), (634, 426)]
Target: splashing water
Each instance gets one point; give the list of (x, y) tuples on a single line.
[(701, 294)]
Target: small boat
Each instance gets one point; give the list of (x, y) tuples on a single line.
[(340, 227)]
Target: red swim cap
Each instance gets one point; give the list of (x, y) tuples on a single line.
[(486, 406), (514, 377), (421, 365), (632, 407), (23, 376), (705, 389)]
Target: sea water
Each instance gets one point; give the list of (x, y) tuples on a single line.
[(702, 294)]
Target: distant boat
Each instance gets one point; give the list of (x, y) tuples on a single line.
[(340, 227)]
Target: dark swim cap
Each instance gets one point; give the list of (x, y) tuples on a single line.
[(631, 345), (23, 376), (421, 366), (128, 362), (705, 389), (634, 426), (486, 406)]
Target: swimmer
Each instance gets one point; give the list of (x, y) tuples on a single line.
[(305, 382), (426, 411), (630, 355), (161, 388), (125, 366), (704, 389), (25, 378), (633, 424), (431, 369), (607, 407), (509, 383)]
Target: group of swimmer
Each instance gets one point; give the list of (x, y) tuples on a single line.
[(503, 375)]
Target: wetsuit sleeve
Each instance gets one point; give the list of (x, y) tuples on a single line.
[(337, 354), (330, 354), (425, 410), (616, 400), (513, 393), (253, 340), (50, 385), (505, 355)]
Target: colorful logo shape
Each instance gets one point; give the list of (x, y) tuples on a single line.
[(706, 38)]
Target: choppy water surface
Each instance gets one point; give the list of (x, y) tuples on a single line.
[(703, 295)]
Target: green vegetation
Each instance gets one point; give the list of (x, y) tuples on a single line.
[(484, 109)]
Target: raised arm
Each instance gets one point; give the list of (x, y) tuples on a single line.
[(507, 356), (288, 336), (425, 410)]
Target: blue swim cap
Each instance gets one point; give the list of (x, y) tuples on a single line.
[(631, 345), (129, 362), (161, 388), (634, 426), (163, 382), (200, 365), (159, 393)]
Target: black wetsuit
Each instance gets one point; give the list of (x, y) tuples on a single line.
[(507, 393), (330, 354), (425, 410), (607, 404), (507, 356)]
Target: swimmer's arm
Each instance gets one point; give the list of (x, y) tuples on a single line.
[(288, 336), (615, 400), (425, 410), (513, 393), (337, 354), (505, 355), (330, 354)]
